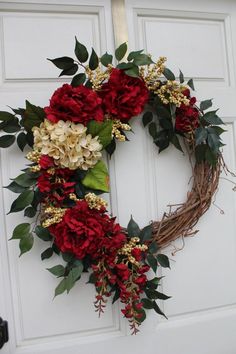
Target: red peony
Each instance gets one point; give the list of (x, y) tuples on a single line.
[(123, 96), (88, 232), (78, 104), (46, 162), (187, 117)]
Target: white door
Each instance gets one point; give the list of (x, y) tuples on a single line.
[(198, 37)]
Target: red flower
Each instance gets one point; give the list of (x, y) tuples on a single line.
[(78, 104), (123, 96), (187, 117), (123, 271), (137, 253), (141, 280), (85, 231), (45, 162)]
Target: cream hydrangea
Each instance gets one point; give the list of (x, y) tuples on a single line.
[(68, 144)]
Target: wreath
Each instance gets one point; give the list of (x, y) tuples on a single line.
[(61, 186)]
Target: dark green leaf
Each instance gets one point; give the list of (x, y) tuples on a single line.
[(142, 59), (78, 80), (62, 62), (133, 72), (121, 51), (15, 188), (216, 130), (92, 279), (152, 261), (152, 128), (158, 310), (175, 141), (73, 276), (133, 228), (69, 71), (67, 257), (181, 77), (153, 247), (7, 140), (212, 118), (61, 287), (81, 51), (111, 147), (11, 126), (168, 74), (22, 201), (25, 180), (6, 116), (26, 243), (33, 116), (200, 135), (205, 104), (163, 112), (153, 283), (106, 59), (30, 212), (47, 253), (147, 304), (200, 152), (93, 61), (146, 233), (21, 140), (162, 296), (191, 84), (101, 129), (141, 315), (43, 233), (125, 66), (163, 260), (134, 54), (30, 139), (162, 140), (58, 270), (214, 142), (116, 296), (20, 231), (147, 118)]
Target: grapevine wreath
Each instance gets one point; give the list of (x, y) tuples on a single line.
[(66, 175)]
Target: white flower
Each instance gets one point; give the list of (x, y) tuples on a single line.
[(68, 144)]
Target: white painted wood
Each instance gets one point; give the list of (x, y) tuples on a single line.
[(198, 37)]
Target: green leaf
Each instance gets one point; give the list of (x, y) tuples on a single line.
[(58, 270), (61, 287), (92, 279), (21, 140), (116, 296), (93, 61), (20, 231), (162, 296), (142, 59), (22, 201), (101, 129), (7, 140), (169, 75), (200, 152), (153, 247), (200, 135), (141, 316), (62, 62), (69, 71), (26, 243), (158, 310), (15, 188), (153, 283), (33, 116), (106, 59), (78, 79), (163, 112), (73, 276), (124, 66), (30, 212), (152, 128), (216, 130), (47, 253), (214, 142), (146, 233), (181, 77), (133, 72), (67, 257), (6, 116), (133, 228), (211, 157), (212, 118), (163, 260), (25, 180), (134, 54), (81, 51), (191, 84), (121, 51), (147, 304), (162, 140), (152, 261), (43, 233), (97, 177), (205, 104), (147, 118)]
